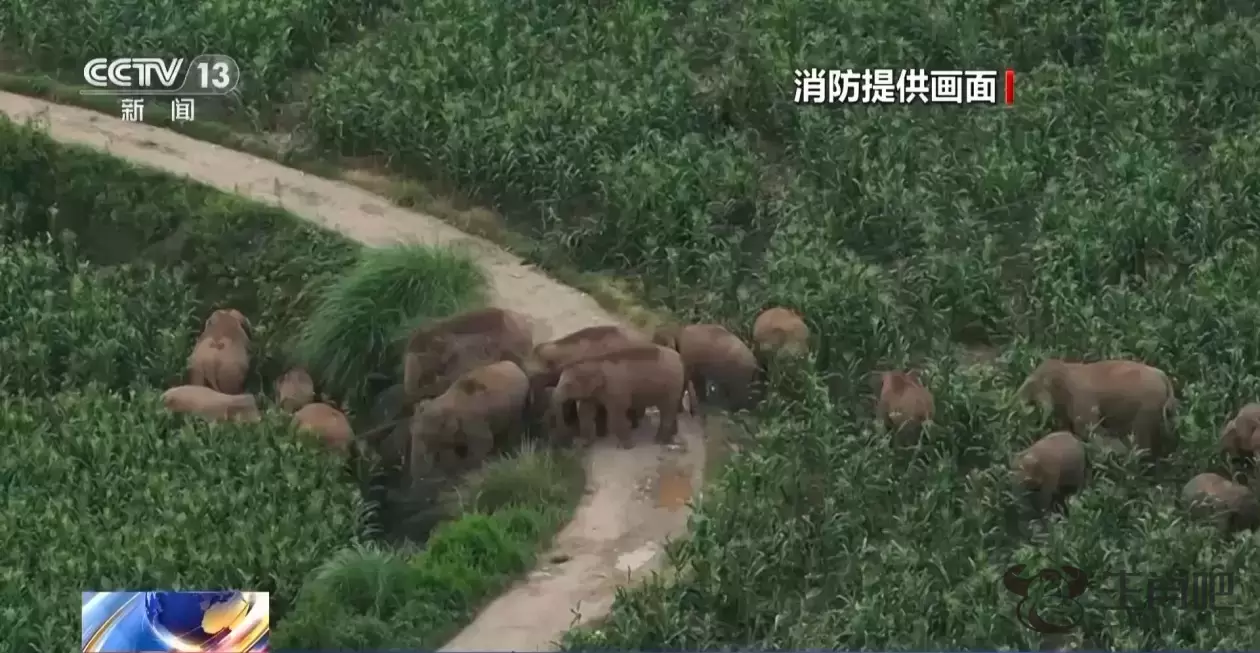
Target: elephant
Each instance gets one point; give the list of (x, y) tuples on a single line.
[(294, 390), (548, 358), (483, 406), (904, 406), (711, 353), (329, 423), (780, 329), (1052, 469), (1241, 436), (629, 379), (1233, 506), (1122, 397), (445, 350), (211, 404), (220, 358)]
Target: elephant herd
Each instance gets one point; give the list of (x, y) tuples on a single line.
[(217, 369), (477, 381), (1119, 400)]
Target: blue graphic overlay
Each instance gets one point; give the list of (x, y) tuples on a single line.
[(212, 621)]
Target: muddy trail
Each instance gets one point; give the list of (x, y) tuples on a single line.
[(635, 499)]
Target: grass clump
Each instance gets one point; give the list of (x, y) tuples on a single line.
[(531, 476), (373, 599), (358, 328), (497, 519)]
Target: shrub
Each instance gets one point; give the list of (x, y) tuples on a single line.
[(530, 476), (362, 320), (106, 490), (373, 599), (65, 323)]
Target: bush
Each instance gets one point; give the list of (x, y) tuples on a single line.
[(64, 323), (373, 599), (106, 490), (530, 476), (361, 323)]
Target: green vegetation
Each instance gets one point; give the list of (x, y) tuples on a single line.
[(270, 41), (159, 500), (1110, 213), (372, 599), (70, 324), (107, 272), (362, 321)]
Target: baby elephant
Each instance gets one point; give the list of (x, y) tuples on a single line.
[(711, 353), (487, 403), (211, 404), (1122, 397), (1241, 436), (294, 390), (330, 424), (904, 406), (1233, 506), (780, 330), (630, 379), (443, 351), (220, 359), (1052, 469)]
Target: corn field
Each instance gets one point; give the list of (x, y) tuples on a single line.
[(1113, 211)]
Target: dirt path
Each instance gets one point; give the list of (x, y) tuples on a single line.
[(635, 499)]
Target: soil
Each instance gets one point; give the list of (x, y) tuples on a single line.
[(635, 499)]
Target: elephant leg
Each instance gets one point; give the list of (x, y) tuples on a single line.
[(588, 413), (559, 431), (1151, 432), (635, 415), (1045, 497), (699, 392), (619, 425)]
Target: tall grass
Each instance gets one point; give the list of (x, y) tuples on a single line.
[(357, 329)]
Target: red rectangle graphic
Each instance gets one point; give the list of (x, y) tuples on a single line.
[(1010, 86)]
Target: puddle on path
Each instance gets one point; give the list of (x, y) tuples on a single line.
[(673, 486)]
